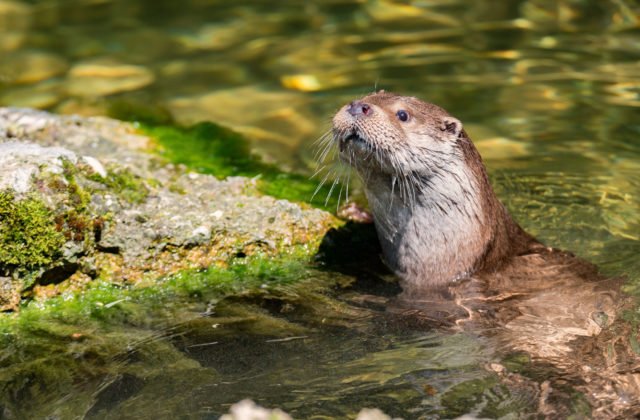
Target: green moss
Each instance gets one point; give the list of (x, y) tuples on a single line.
[(259, 272), (76, 222), (123, 183), (28, 234), (78, 197)]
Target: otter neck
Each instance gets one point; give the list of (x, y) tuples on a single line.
[(449, 225)]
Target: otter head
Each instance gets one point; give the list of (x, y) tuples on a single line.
[(436, 214), (395, 134)]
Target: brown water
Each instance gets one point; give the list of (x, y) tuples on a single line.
[(549, 91)]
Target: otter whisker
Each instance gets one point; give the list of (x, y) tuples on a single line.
[(339, 196), (325, 151), (393, 187), (320, 169), (347, 189), (333, 185), (323, 137), (321, 144), (319, 187)]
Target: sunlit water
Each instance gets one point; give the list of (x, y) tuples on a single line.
[(548, 90)]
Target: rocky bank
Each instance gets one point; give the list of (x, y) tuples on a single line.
[(84, 199)]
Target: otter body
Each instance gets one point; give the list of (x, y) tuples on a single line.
[(439, 221), (436, 214)]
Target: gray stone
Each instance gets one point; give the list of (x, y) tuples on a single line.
[(21, 162)]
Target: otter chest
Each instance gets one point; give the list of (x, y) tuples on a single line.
[(429, 240)]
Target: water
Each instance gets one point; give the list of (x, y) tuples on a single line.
[(548, 90)]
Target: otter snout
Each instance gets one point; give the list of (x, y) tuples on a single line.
[(358, 108)]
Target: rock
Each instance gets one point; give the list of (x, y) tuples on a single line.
[(21, 162), (114, 211), (494, 147), (10, 10), (205, 66), (248, 410), (148, 44), (106, 139), (385, 11), (105, 77), (41, 95), (303, 82), (31, 66), (9, 294), (536, 97), (185, 220), (86, 106), (216, 36), (372, 414)]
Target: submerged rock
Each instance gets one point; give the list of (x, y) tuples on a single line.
[(109, 209), (31, 66), (248, 410), (45, 94), (105, 77), (272, 117), (15, 19)]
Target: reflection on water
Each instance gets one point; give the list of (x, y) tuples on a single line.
[(549, 90)]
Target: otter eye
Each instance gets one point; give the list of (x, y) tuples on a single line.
[(402, 115)]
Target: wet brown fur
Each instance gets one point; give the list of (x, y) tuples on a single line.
[(507, 238)]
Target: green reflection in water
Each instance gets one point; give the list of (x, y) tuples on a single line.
[(265, 329)]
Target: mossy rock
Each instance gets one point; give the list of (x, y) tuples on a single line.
[(28, 234), (130, 216)]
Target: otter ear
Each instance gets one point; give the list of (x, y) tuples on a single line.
[(451, 125)]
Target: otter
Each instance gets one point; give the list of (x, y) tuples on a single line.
[(437, 216), (462, 258)]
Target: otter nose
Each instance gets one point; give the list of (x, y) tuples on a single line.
[(358, 108)]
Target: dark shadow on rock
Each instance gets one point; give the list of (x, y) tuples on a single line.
[(59, 273), (354, 250)]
